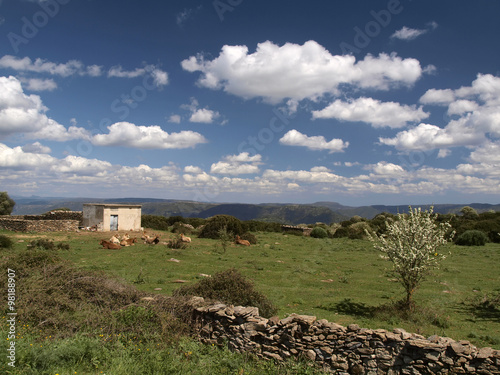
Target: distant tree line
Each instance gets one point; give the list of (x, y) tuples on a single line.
[(470, 227)]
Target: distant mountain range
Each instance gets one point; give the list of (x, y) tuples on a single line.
[(325, 212)]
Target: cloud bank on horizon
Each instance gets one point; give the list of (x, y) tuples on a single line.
[(282, 116)]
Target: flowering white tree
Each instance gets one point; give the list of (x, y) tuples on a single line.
[(411, 244)]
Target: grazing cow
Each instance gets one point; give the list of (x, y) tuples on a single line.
[(185, 239), (239, 241), (109, 245), (115, 240)]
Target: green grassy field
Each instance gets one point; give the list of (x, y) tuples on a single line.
[(341, 280)]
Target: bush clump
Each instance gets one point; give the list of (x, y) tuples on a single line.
[(70, 300), (219, 222), (472, 238), (155, 222), (180, 227), (176, 243), (5, 242), (230, 286), (319, 232), (262, 226), (249, 237), (44, 244)]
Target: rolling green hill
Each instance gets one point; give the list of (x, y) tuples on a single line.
[(325, 212)]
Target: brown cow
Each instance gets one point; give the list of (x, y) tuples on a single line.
[(128, 241), (109, 245), (152, 240), (239, 241)]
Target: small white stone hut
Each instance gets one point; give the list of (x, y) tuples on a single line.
[(111, 217)]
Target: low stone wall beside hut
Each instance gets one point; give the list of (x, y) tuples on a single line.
[(56, 221)]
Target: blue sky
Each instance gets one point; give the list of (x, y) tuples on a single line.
[(359, 102)]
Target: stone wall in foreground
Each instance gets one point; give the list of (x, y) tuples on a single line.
[(338, 349)]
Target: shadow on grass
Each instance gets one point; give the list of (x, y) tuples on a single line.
[(485, 307), (349, 307), (393, 313)]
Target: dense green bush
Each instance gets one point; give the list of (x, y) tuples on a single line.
[(183, 228), (379, 223), (249, 237), (219, 222), (494, 236), (155, 222), (472, 238), (196, 221), (232, 287), (44, 244), (319, 232), (6, 203), (341, 232), (262, 226), (176, 243), (5, 242), (357, 231)]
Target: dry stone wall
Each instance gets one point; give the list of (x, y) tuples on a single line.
[(57, 221), (339, 350)]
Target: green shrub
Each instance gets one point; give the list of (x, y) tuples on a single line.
[(219, 222), (196, 221), (319, 232), (232, 287), (180, 227), (472, 238), (5, 242), (341, 232), (62, 246), (155, 222), (44, 244), (41, 244), (176, 243), (249, 237), (262, 226), (494, 236), (357, 231), (379, 223)]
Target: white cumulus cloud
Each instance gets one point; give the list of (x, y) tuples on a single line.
[(127, 134), (478, 110), (298, 71), (242, 163), (296, 138), (374, 112), (21, 113), (37, 84), (36, 148), (204, 115)]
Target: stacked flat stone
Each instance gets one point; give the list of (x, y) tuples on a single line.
[(337, 349)]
